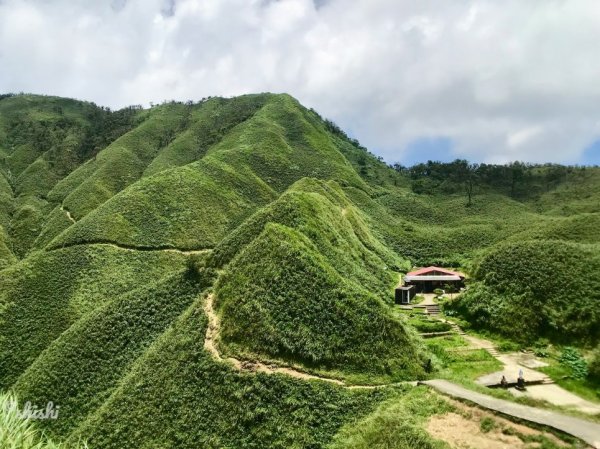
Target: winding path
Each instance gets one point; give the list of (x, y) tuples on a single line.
[(210, 344), (135, 248), (582, 429), (69, 216)]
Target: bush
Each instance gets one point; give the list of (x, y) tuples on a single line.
[(427, 326), (487, 424), (572, 359)]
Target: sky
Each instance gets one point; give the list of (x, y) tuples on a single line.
[(486, 80)]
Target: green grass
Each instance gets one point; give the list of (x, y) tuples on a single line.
[(281, 297), (396, 424), (19, 433), (210, 405)]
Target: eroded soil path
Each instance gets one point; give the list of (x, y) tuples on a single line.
[(69, 216), (211, 341), (464, 428)]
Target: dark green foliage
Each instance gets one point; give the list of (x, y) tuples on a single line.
[(211, 406), (517, 179), (572, 359), (594, 366)]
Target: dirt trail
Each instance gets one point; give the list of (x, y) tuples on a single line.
[(137, 248), (69, 216), (210, 344)]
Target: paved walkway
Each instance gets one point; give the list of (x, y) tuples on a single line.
[(584, 430), (515, 362)]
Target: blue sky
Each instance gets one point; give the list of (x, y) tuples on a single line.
[(442, 149), (484, 80), (591, 155), (435, 149)]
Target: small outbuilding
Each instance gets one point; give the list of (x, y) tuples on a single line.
[(404, 294), (426, 280)]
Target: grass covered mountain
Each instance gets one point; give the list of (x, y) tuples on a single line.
[(115, 226)]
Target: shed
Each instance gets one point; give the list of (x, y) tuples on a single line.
[(404, 294)]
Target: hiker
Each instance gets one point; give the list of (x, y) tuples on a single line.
[(521, 381), (503, 382), (428, 366)]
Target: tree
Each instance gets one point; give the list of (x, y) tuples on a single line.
[(467, 175)]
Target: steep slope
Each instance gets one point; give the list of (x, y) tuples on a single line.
[(195, 206), (210, 405), (45, 294)]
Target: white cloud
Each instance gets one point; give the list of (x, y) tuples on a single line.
[(503, 79)]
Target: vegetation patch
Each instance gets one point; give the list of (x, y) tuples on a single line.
[(298, 307)]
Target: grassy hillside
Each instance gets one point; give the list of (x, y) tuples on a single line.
[(82, 367), (45, 294), (282, 298), (210, 405), (538, 288), (101, 298)]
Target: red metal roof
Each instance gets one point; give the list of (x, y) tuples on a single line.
[(423, 271)]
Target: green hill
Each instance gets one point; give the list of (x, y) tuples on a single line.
[(115, 226), (537, 288)]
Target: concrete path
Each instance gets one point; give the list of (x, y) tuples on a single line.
[(559, 396), (429, 299), (584, 430), (546, 390)]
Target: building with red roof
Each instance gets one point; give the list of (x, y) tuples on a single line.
[(426, 280)]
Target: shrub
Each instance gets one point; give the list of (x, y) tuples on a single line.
[(487, 424), (572, 359)]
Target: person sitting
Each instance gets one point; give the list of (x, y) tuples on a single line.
[(521, 381), (504, 382)]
